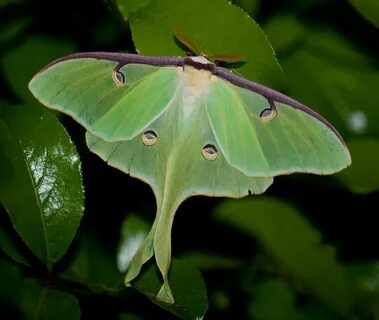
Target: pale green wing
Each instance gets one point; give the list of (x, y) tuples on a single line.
[(265, 140), (178, 163), (103, 97), (186, 132)]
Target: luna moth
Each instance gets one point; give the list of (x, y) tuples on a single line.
[(186, 127)]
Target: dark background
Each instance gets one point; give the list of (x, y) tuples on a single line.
[(346, 219)]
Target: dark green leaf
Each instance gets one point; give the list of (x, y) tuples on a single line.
[(187, 287), (21, 63), (249, 6), (295, 33), (14, 248), (289, 238), (11, 282), (4, 3), (105, 32), (215, 28), (274, 300), (376, 311), (209, 260), (45, 303), (366, 275), (133, 231), (31, 298), (220, 300), (330, 75), (11, 30), (363, 175), (369, 9), (129, 316), (315, 311), (94, 265), (40, 180)]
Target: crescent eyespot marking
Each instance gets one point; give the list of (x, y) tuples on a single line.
[(125, 58), (210, 152), (118, 76), (149, 138), (269, 113)]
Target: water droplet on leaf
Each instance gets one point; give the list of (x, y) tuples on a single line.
[(209, 152), (149, 138)]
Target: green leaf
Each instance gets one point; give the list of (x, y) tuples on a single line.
[(316, 311), (24, 61), (105, 32), (10, 242), (209, 260), (129, 316), (215, 28), (133, 231), (40, 181), (11, 282), (4, 3), (45, 303), (289, 238), (362, 176), (366, 275), (249, 6), (274, 300), (369, 9), (295, 33), (187, 287), (376, 310), (13, 29), (94, 265), (32, 299), (329, 74)]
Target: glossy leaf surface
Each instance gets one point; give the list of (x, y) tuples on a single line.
[(40, 180)]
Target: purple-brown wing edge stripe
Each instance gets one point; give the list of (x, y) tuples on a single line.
[(125, 58), (273, 95)]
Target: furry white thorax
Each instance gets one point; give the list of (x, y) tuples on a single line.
[(200, 59), (195, 87)]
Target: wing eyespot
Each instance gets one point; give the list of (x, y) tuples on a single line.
[(269, 113), (118, 76), (209, 152), (149, 138)]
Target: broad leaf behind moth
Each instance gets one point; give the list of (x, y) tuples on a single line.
[(186, 127)]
